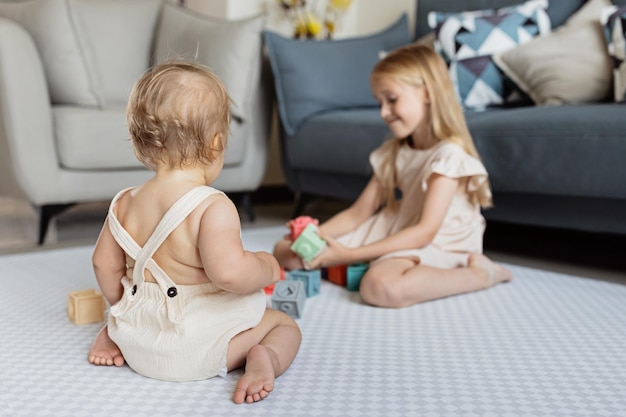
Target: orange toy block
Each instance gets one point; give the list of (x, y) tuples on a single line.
[(338, 274), (270, 288), (86, 306)]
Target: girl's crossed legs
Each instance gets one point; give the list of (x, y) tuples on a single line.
[(401, 282)]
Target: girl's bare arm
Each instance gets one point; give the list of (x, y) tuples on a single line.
[(368, 202), (438, 198)]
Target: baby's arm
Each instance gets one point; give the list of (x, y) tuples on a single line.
[(368, 202), (225, 261), (109, 264)]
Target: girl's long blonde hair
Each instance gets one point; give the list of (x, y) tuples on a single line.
[(419, 65)]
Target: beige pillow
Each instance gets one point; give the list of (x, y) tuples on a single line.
[(232, 49), (570, 65)]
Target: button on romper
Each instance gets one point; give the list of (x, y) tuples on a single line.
[(175, 332)]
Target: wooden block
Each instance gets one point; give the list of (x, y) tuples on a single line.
[(86, 306)]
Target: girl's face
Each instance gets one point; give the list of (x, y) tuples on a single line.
[(404, 108)]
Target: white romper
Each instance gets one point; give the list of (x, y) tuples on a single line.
[(175, 332)]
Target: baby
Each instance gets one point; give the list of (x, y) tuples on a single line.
[(187, 301)]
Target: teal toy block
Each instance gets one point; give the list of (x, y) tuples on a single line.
[(308, 245), (312, 280), (289, 297), (354, 275)]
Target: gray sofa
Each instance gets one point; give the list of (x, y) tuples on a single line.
[(556, 166), (66, 70)]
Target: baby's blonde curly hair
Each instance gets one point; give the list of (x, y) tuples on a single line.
[(178, 114)]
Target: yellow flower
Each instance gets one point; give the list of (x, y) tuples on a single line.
[(340, 4), (307, 26)]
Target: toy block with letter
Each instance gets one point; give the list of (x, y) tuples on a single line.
[(354, 274), (312, 280), (86, 306), (289, 297), (308, 245)]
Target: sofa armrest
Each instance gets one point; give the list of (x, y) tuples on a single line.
[(27, 151)]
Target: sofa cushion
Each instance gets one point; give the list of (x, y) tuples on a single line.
[(316, 76), (614, 22), (467, 41), (97, 139), (553, 150), (51, 27), (315, 145), (116, 37), (558, 10), (570, 65), (232, 49)]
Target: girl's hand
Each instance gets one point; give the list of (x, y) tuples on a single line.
[(334, 254)]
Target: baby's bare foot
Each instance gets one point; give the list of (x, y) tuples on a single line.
[(258, 380), (493, 273), (104, 351)]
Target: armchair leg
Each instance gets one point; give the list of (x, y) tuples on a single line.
[(46, 213), (243, 200), (248, 206)]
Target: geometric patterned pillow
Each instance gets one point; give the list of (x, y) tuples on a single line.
[(614, 21), (467, 40)]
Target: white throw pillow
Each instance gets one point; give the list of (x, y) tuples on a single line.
[(50, 25), (232, 49)]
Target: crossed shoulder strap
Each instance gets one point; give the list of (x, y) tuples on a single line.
[(174, 216)]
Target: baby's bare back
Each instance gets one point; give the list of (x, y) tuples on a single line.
[(141, 210)]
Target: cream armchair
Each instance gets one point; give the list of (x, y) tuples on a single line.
[(66, 70)]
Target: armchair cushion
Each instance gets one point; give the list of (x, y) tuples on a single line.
[(51, 28), (232, 49), (116, 39), (316, 76)]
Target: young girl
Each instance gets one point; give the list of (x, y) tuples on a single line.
[(427, 243), (186, 298)]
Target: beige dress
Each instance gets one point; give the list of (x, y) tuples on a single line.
[(461, 232), (175, 332)]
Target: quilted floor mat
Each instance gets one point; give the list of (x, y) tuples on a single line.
[(545, 344)]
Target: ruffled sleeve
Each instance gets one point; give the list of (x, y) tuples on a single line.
[(452, 161)]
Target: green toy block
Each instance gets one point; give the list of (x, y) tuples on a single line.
[(308, 245), (354, 274)]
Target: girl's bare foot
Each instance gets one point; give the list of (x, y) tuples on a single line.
[(104, 351), (258, 380), (493, 273)]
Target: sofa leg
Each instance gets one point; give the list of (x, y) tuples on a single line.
[(46, 213), (302, 199)]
